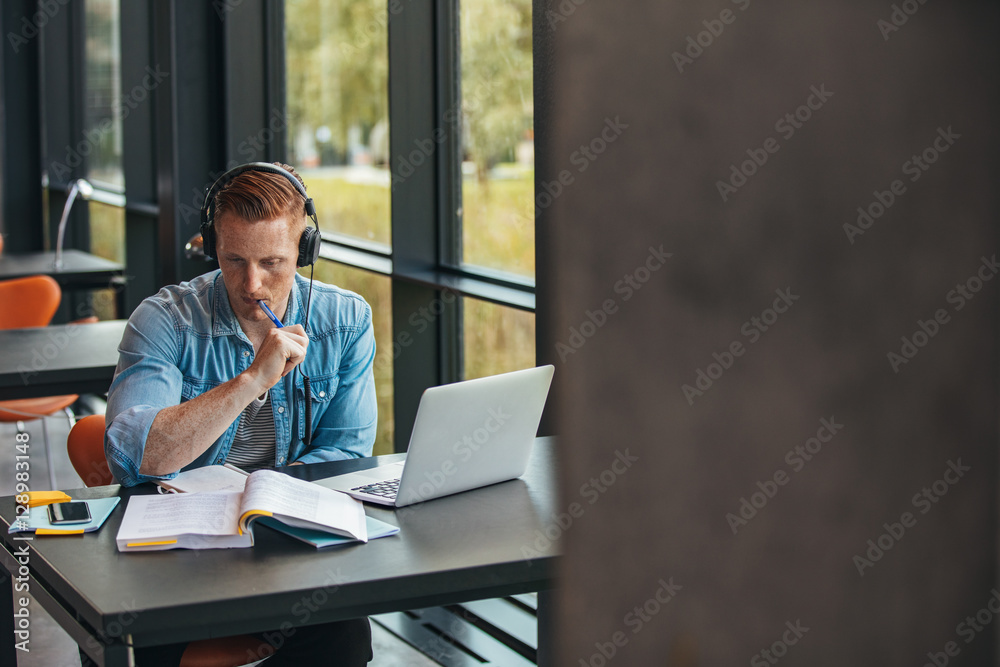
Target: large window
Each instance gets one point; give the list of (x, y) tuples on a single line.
[(463, 129), (101, 144), (107, 240), (377, 291), (498, 151), (97, 153), (496, 338), (337, 69)]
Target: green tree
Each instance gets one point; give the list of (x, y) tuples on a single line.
[(337, 65), (497, 100)]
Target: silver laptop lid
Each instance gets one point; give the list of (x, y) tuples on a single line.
[(473, 433)]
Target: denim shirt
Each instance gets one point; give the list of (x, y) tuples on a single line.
[(186, 340)]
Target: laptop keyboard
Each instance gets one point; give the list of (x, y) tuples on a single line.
[(386, 489)]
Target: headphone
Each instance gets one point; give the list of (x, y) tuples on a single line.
[(309, 242)]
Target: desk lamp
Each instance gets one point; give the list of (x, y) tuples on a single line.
[(80, 187)]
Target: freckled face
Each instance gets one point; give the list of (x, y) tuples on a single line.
[(258, 263)]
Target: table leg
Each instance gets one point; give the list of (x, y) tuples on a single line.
[(8, 653), (546, 638), (118, 655), (119, 284)]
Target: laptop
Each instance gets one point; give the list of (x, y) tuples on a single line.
[(466, 435)]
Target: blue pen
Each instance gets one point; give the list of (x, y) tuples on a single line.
[(267, 310)]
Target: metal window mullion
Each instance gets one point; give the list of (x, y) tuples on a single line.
[(432, 356), (20, 134), (139, 157)]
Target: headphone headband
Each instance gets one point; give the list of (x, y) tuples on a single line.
[(208, 208), (309, 243)]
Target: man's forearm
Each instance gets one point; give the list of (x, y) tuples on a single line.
[(181, 433)]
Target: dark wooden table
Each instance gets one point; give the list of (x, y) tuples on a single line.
[(59, 359), (478, 544), (80, 270)]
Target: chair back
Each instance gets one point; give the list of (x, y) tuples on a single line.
[(28, 302), (86, 451)]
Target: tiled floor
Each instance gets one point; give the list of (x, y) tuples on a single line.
[(50, 646)]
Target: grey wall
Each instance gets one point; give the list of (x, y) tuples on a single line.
[(663, 519)]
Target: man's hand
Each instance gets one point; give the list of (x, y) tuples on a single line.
[(281, 351), (180, 433)]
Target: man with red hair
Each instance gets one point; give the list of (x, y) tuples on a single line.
[(205, 377)]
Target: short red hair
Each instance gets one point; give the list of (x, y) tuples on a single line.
[(256, 196)]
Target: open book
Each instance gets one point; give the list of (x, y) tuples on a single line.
[(223, 520), (207, 478)]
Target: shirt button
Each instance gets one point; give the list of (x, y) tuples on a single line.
[(322, 394), (246, 353), (281, 409)]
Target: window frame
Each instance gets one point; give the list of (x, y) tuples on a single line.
[(193, 128)]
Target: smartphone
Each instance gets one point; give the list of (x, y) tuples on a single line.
[(69, 512)]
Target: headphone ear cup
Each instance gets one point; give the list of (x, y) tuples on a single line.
[(208, 239), (309, 244)]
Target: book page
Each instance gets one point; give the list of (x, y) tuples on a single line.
[(286, 496), (207, 478), (149, 517)]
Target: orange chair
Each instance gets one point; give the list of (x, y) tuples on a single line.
[(85, 447), (31, 302), (86, 451)]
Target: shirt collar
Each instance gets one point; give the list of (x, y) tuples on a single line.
[(225, 322)]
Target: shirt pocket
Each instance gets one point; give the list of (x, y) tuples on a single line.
[(322, 391)]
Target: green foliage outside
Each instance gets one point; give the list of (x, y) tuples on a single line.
[(337, 79), (377, 291), (107, 240)]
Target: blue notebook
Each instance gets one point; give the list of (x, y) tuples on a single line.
[(321, 540), (37, 520)]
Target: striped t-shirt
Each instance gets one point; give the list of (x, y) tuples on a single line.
[(253, 447)]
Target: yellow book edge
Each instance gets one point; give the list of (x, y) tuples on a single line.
[(53, 531), (149, 544), (248, 517)]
